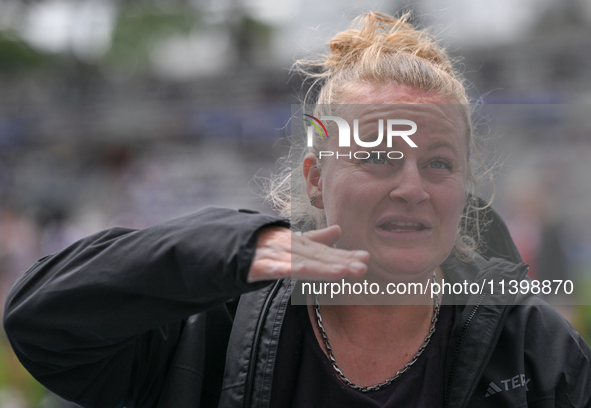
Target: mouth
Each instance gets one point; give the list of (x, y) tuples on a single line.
[(401, 226)]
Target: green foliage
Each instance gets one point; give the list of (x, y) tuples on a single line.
[(13, 376), (257, 29), (16, 55), (139, 27)]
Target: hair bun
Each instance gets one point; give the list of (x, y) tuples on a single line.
[(378, 34)]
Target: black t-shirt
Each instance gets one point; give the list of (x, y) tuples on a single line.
[(304, 377)]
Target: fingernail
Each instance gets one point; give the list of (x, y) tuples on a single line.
[(356, 267), (337, 268), (361, 254)]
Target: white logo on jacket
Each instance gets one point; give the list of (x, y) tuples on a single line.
[(509, 384)]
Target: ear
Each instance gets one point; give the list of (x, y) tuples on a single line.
[(313, 179)]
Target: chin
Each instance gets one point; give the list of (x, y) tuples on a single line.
[(409, 273), (406, 266)]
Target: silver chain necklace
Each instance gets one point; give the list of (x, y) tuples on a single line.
[(389, 381)]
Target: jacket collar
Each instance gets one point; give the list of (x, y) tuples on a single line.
[(250, 358), (478, 322)]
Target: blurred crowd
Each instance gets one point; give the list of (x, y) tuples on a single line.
[(49, 205), (126, 113)]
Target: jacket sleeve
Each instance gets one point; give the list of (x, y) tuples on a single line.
[(98, 322)]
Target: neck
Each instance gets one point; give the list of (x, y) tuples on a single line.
[(360, 323), (372, 343)]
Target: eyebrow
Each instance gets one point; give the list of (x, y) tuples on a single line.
[(442, 143), (432, 146)]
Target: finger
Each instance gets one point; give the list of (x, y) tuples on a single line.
[(268, 269), (327, 236), (274, 245), (317, 270), (307, 259), (281, 254), (316, 245), (321, 254)]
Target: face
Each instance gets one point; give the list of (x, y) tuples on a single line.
[(406, 211)]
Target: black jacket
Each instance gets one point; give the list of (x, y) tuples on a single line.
[(151, 318)]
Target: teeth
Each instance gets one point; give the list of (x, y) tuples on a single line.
[(391, 226), (405, 224)]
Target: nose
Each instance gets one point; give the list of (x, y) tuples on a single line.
[(409, 187)]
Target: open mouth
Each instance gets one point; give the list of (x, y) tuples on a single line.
[(399, 226)]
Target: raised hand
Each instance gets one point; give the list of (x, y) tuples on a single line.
[(280, 253)]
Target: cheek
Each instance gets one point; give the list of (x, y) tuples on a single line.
[(338, 183), (451, 204), (334, 192), (346, 196)]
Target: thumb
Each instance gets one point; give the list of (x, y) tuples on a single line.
[(327, 236)]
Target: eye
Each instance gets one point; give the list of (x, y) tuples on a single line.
[(440, 164)]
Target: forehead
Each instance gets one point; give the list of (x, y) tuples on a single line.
[(434, 115), (369, 93)]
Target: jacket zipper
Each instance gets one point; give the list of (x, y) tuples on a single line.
[(490, 350), (255, 344), (459, 347)]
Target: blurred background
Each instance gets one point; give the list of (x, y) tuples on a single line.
[(127, 112)]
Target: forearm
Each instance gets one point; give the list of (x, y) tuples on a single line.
[(104, 296)]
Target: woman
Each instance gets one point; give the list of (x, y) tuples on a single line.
[(195, 311)]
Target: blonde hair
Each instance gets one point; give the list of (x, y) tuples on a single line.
[(378, 49)]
